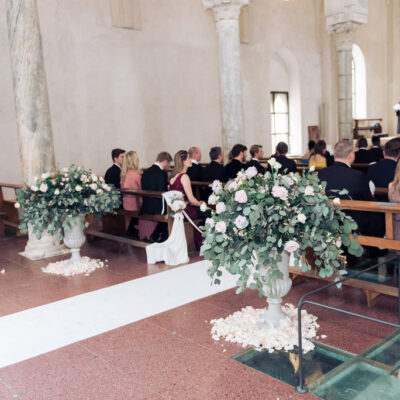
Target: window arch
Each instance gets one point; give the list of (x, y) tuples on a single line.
[(359, 83)]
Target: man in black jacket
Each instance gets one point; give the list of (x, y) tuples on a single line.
[(113, 174), (196, 170), (156, 178), (382, 172), (362, 156), (256, 152), (287, 165), (239, 153), (376, 153), (213, 171)]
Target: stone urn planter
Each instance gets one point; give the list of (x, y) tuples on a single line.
[(74, 238)]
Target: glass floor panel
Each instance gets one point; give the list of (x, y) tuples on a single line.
[(360, 381), (284, 365)]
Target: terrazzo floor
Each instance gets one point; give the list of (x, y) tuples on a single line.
[(169, 355)]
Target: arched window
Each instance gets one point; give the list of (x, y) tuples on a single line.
[(359, 84)]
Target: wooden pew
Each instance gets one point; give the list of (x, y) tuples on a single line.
[(372, 290), (11, 217)]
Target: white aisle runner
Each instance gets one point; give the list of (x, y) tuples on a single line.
[(36, 331)]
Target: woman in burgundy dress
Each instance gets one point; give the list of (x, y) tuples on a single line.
[(180, 181)]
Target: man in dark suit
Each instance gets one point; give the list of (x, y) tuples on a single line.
[(213, 171), (362, 156), (256, 152), (113, 174), (195, 172), (382, 172), (341, 176), (376, 153), (156, 178), (239, 154), (287, 165)]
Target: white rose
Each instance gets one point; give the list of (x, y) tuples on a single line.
[(251, 171), (84, 178), (338, 243), (216, 186), (273, 163), (309, 191), (46, 175), (220, 227), (106, 187), (43, 187), (291, 246), (241, 196), (240, 221), (336, 200), (78, 188), (93, 186), (301, 218), (99, 191), (220, 208), (56, 192), (34, 188), (210, 222), (213, 199), (17, 205), (203, 207), (312, 168)]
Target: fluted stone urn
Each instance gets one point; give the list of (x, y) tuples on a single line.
[(74, 238)]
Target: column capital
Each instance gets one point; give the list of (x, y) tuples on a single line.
[(225, 9), (344, 34)]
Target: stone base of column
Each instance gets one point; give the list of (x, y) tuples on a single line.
[(45, 247)]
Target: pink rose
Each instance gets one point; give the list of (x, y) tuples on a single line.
[(309, 191), (220, 208), (280, 192), (291, 246), (240, 221), (212, 199), (220, 227), (251, 171), (233, 186), (241, 196)]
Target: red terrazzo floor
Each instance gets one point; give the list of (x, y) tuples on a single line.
[(168, 356)]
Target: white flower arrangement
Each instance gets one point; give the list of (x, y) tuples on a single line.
[(396, 107)]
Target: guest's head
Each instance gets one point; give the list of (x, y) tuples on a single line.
[(282, 149), (311, 145), (320, 148), (164, 159), (392, 149), (376, 141), (182, 162), (256, 151), (130, 162), (117, 156), (216, 154), (239, 152), (194, 153), (343, 151), (362, 143)]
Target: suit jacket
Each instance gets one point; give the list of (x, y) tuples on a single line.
[(195, 172), (232, 168), (256, 163), (329, 159), (382, 173), (213, 171), (113, 176), (363, 156), (340, 176), (153, 178), (376, 154), (287, 165)]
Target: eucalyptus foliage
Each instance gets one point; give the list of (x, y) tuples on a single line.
[(257, 217), (51, 201)]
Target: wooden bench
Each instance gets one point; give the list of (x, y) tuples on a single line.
[(11, 217), (372, 290), (2, 218)]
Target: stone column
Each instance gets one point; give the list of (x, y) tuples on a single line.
[(226, 14), (31, 106)]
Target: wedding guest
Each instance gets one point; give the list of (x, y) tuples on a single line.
[(180, 181), (394, 197), (196, 170), (376, 153), (113, 174), (318, 159), (287, 165), (155, 178), (310, 152), (130, 179), (362, 156), (382, 172), (239, 154), (215, 170), (256, 152)]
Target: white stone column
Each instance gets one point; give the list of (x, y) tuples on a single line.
[(226, 14), (31, 106)]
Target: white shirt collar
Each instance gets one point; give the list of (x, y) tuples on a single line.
[(255, 158), (195, 162), (159, 165), (363, 148), (117, 165)]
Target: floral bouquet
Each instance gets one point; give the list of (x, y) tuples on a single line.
[(175, 202), (258, 217), (56, 197)]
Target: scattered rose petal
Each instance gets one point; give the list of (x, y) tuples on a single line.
[(85, 266), (3, 271)]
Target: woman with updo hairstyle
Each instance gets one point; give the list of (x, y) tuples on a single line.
[(318, 159), (180, 181), (130, 180)]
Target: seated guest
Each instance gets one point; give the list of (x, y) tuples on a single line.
[(310, 152), (113, 174), (130, 179), (195, 171), (155, 178), (382, 172), (256, 152), (213, 171), (180, 181), (287, 165), (394, 196), (318, 159), (239, 153), (362, 156), (375, 152), (341, 176)]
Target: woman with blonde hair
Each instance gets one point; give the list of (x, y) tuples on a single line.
[(130, 180), (394, 197), (180, 181)]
